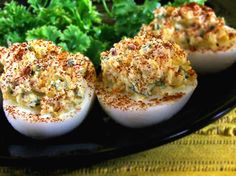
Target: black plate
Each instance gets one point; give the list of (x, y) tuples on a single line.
[(99, 138)]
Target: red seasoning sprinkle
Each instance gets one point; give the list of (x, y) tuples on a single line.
[(125, 102), (14, 112)]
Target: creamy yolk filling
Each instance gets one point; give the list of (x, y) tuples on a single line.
[(40, 76), (192, 26), (142, 67)]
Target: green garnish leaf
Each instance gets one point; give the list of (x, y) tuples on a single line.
[(45, 32), (13, 37), (74, 40), (15, 20), (130, 16), (181, 2), (94, 51)]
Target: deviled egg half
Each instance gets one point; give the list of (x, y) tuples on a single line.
[(144, 81), (47, 92), (210, 43)]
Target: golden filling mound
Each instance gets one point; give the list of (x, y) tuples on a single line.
[(40, 76), (192, 26), (146, 67)]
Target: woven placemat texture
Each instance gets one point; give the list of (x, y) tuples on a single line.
[(210, 151)]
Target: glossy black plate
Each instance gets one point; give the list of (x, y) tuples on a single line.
[(99, 138)]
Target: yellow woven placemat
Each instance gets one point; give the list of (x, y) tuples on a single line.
[(209, 151)]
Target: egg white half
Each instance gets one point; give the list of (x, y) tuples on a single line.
[(211, 62), (43, 130), (137, 118)]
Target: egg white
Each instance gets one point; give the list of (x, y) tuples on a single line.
[(137, 118), (208, 61), (43, 130), (211, 62)]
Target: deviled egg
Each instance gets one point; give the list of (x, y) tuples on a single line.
[(144, 81), (47, 92), (210, 43)]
